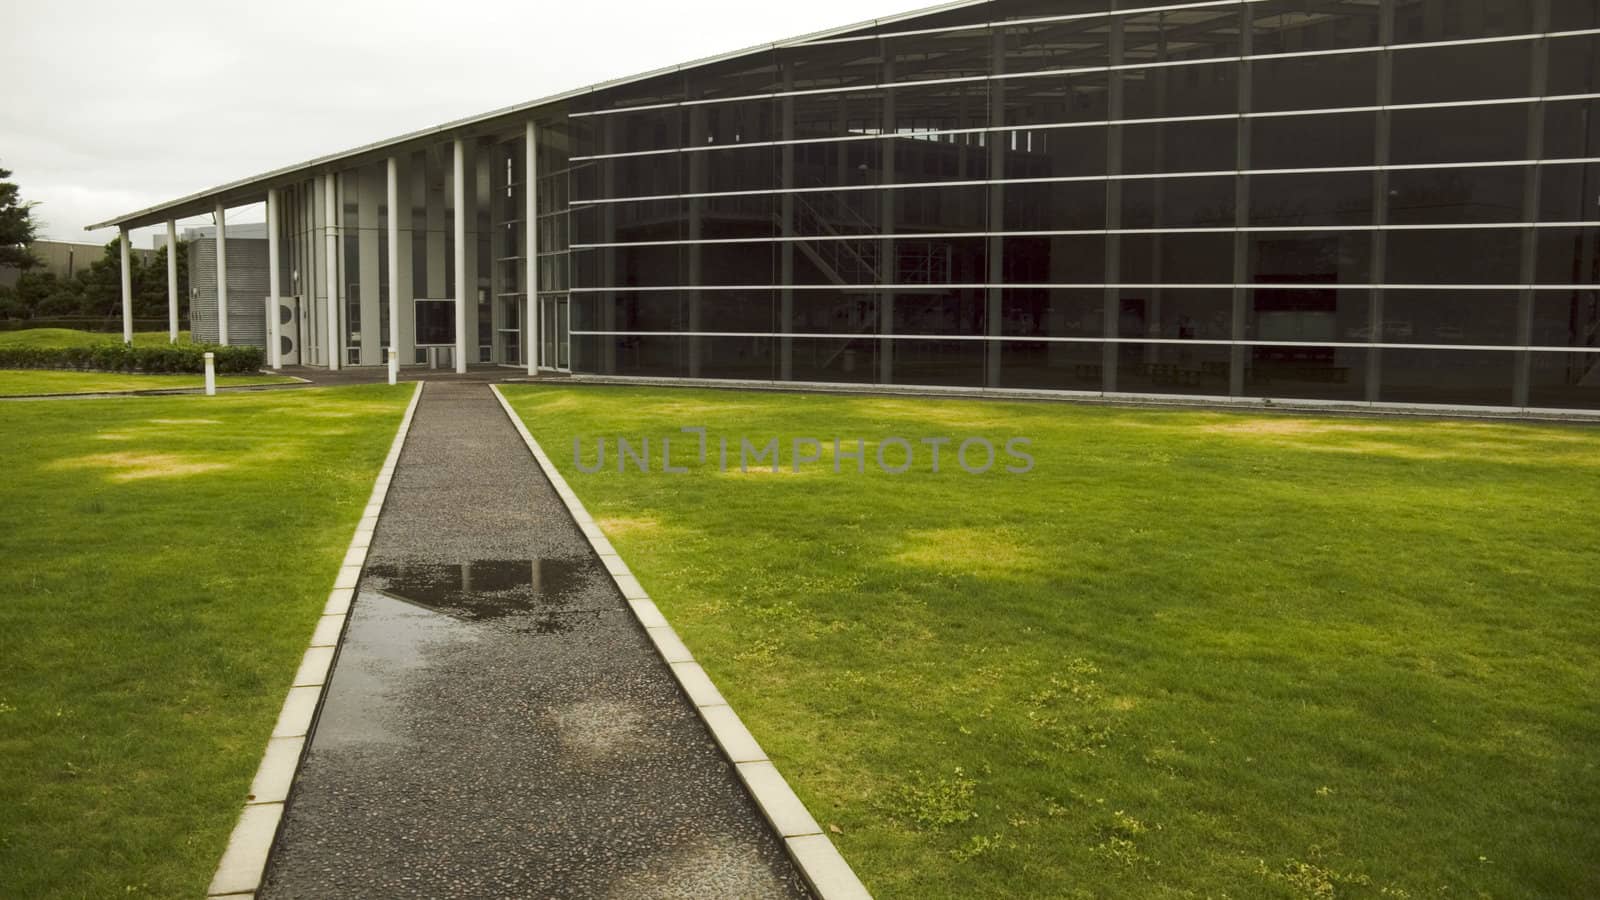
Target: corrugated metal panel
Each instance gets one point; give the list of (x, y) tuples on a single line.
[(247, 291)]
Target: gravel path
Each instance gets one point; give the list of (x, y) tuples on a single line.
[(497, 724)]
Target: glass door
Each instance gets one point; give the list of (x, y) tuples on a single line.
[(553, 324)]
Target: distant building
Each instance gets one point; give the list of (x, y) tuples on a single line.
[(64, 259)]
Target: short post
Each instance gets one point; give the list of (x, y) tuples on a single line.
[(394, 365), (211, 374)]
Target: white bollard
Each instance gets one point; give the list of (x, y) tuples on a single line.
[(211, 374), (394, 365)]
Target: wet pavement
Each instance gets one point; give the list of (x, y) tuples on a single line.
[(497, 724)]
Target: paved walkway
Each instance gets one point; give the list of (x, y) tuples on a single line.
[(497, 724)]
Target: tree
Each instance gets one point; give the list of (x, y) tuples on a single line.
[(16, 226)]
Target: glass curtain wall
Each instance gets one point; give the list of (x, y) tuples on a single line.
[(1388, 201)]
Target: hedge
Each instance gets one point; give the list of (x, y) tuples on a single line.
[(109, 357)]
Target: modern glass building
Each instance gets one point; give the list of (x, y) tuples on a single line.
[(1361, 201)]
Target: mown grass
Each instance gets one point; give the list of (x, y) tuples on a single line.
[(28, 382), (1190, 654), (56, 338), (165, 562)]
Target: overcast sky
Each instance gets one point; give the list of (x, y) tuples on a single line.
[(113, 107)]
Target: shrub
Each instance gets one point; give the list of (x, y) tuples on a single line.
[(110, 357)]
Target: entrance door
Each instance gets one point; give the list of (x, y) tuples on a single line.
[(553, 324)]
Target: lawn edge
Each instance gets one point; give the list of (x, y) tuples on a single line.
[(812, 852), (244, 862)]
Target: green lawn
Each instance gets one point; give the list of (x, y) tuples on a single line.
[(23, 382), (1190, 654), (52, 338), (165, 562)]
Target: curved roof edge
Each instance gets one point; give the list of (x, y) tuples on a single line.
[(259, 183)]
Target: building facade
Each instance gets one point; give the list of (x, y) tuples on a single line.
[(1362, 201)]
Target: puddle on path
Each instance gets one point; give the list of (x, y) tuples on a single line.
[(496, 589)]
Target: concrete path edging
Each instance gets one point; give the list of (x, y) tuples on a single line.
[(244, 862), (813, 854)]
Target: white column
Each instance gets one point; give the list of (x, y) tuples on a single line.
[(392, 198), (274, 339), (127, 286), (330, 249), (404, 290), (222, 275), (530, 237), (369, 194), (172, 281), (460, 185)]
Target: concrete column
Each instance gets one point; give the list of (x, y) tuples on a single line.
[(222, 275), (459, 160), (172, 281), (330, 250), (127, 286), (274, 343), (530, 239), (369, 194), (402, 288), (392, 198)]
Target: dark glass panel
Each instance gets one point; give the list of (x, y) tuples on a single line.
[(1569, 193), (1176, 314), (667, 88), (1463, 72), (956, 208), (1307, 314), (1487, 256), (1314, 82), (1043, 46), (835, 359), (732, 311), (649, 129), (951, 363), (946, 54), (1568, 256), (1178, 202), (1053, 312), (1040, 9), (1460, 134), (1323, 198), (846, 163), (643, 220), (1054, 206), (665, 356), (845, 64), (632, 311), (585, 223), (1574, 64), (1205, 146), (741, 122), (1428, 20), (732, 264), (1302, 142), (920, 108), (1289, 26), (1566, 319), (739, 216), (1052, 365), (1177, 258), (1317, 257), (656, 265), (1573, 16), (833, 312), (845, 114), (749, 73), (1456, 196), (1572, 129), (1182, 34), (753, 358), (1449, 317), (945, 311), (586, 353), (1309, 372), (654, 175), (1202, 89), (1062, 259), (1173, 369), (938, 260), (741, 169), (1456, 377), (1564, 380), (920, 160)]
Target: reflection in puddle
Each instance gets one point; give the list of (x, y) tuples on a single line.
[(490, 588)]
